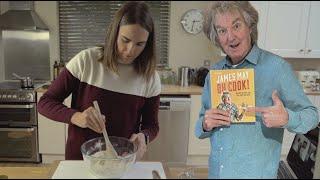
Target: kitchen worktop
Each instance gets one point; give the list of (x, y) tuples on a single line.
[(165, 89), (190, 90), (45, 171)]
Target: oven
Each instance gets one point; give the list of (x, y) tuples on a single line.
[(18, 124), (19, 144), (18, 114)]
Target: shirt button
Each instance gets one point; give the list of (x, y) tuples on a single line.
[(221, 129), (221, 148), (221, 166)]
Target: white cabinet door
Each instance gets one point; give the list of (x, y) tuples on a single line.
[(313, 37), (287, 28), (196, 146), (51, 135), (262, 8)]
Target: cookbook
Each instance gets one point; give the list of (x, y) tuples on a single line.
[(233, 90)]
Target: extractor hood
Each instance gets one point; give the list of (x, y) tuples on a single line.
[(21, 16)]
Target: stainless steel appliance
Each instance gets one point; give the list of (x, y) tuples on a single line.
[(186, 76), (303, 161), (18, 123), (171, 144), (24, 42)]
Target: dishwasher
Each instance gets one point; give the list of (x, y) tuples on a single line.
[(171, 144)]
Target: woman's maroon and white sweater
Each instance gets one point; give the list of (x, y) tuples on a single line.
[(125, 99)]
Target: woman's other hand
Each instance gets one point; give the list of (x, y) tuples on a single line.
[(215, 118), (139, 140), (89, 118)]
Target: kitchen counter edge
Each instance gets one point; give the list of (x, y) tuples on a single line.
[(165, 89)]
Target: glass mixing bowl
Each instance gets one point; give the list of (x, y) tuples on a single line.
[(102, 165)]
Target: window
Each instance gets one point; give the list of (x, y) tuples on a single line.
[(82, 24)]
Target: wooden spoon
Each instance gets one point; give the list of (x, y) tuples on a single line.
[(109, 148)]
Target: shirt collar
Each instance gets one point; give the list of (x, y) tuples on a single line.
[(251, 57)]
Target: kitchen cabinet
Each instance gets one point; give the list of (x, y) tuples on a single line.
[(292, 29), (262, 8), (52, 137), (198, 149), (289, 28), (313, 38)]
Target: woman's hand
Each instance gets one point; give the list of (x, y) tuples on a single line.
[(215, 118), (89, 118), (140, 141)]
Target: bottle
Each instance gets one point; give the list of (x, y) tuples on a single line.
[(55, 70), (60, 67)]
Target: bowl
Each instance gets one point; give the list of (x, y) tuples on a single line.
[(102, 165)]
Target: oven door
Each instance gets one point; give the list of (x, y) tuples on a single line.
[(19, 144), (18, 115)]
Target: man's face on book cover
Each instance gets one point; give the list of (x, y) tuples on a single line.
[(226, 99)]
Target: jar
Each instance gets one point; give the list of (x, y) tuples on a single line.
[(317, 84)]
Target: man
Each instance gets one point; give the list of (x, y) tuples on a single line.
[(227, 105), (250, 150)]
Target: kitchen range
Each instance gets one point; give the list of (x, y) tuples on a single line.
[(18, 123), (24, 49)]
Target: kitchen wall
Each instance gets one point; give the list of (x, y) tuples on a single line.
[(2, 8), (1, 60), (305, 64), (184, 49), (48, 12)]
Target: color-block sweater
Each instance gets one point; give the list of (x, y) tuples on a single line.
[(129, 102)]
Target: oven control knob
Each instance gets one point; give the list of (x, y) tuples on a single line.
[(28, 96), (21, 97)]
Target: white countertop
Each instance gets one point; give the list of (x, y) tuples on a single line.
[(76, 169)]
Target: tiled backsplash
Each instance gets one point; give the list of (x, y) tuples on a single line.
[(304, 64)]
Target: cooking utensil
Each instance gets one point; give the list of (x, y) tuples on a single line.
[(25, 82), (155, 174), (109, 147)]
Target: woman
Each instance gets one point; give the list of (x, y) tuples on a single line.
[(121, 76), (250, 150)]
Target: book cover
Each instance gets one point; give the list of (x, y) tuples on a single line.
[(233, 90)]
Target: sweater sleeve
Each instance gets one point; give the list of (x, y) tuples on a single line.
[(51, 104), (150, 124)]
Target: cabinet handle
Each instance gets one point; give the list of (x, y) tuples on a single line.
[(309, 50), (301, 50)]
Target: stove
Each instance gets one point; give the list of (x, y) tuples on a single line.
[(12, 92), (18, 123)]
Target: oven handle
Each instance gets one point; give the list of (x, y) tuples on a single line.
[(17, 129), (30, 106)]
